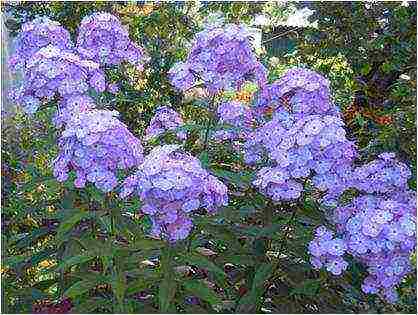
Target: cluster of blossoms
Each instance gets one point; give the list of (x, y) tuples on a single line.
[(305, 138), (379, 232), (238, 116), (95, 144), (377, 228), (52, 70), (105, 40), (327, 250), (35, 35), (164, 119), (306, 92), (296, 146), (72, 104), (221, 58), (383, 175), (171, 184)]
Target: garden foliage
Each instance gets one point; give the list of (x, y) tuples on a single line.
[(236, 197)]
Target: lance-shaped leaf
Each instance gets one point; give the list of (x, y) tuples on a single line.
[(202, 291)]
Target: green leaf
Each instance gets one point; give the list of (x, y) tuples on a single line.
[(261, 275), (75, 260), (223, 233), (239, 259), (241, 179), (247, 304), (119, 287), (147, 244), (204, 159), (70, 221), (203, 262), (189, 127), (92, 304), (81, 287), (136, 286), (166, 293), (309, 287), (202, 291)]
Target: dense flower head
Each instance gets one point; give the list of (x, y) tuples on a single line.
[(378, 231), (237, 115), (35, 35), (52, 70), (171, 184), (165, 119), (104, 39), (69, 105), (296, 146), (383, 175), (95, 144), (221, 58), (303, 91), (327, 250)]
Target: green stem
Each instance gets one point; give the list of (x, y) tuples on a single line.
[(268, 220), (167, 285), (211, 120)]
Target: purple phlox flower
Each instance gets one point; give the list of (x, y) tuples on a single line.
[(103, 39), (336, 266), (165, 119), (178, 185), (95, 144), (35, 35), (222, 58), (51, 71)]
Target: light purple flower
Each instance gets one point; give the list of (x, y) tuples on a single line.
[(179, 185)]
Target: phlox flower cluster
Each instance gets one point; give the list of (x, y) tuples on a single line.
[(238, 116), (95, 144), (328, 250), (379, 232), (51, 71), (299, 146), (305, 91), (172, 184), (163, 120), (383, 175), (221, 58), (104, 39), (75, 103), (305, 139), (35, 35)]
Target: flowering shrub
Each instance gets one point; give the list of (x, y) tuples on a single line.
[(289, 144), (172, 184)]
